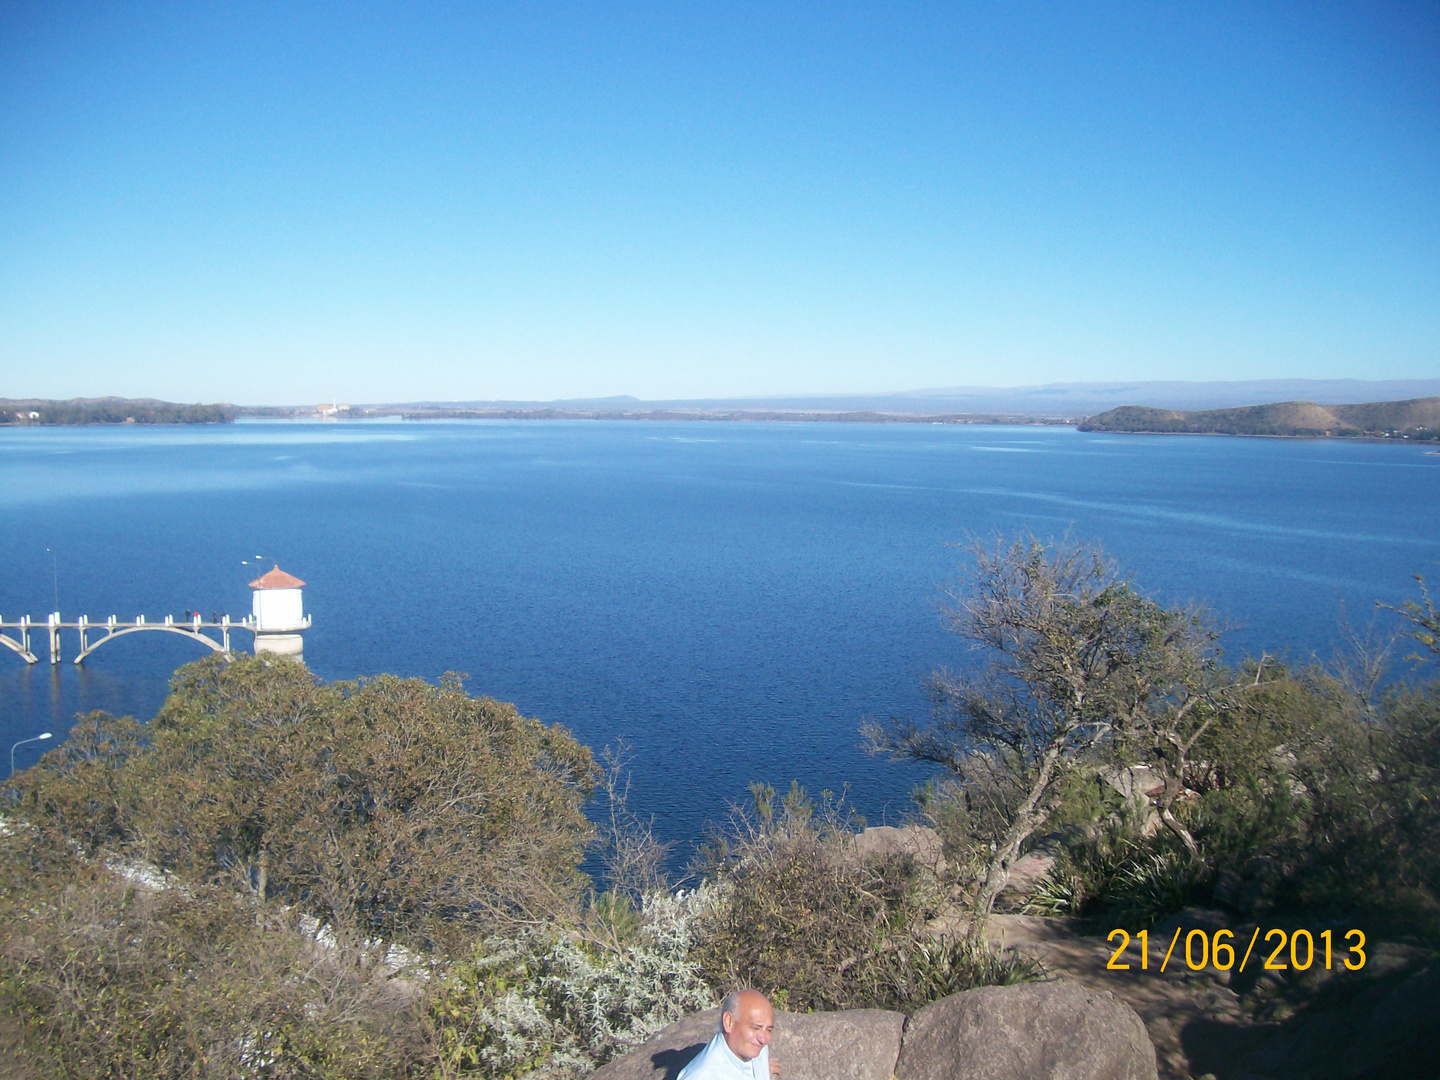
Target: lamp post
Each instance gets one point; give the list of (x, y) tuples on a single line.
[(38, 738), (55, 568)]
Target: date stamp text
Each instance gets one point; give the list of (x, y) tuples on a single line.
[(1273, 950)]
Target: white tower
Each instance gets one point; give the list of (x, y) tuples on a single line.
[(279, 614)]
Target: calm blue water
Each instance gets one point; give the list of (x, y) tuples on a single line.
[(732, 599)]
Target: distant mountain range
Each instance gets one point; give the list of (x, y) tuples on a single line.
[(1052, 400), (1050, 403), (1415, 419)]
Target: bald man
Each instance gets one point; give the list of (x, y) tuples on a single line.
[(740, 1050)]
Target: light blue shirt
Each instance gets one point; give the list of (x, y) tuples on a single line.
[(718, 1062)]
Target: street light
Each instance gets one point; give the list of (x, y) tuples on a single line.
[(38, 738), (55, 566)]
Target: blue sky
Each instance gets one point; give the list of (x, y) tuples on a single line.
[(284, 202)]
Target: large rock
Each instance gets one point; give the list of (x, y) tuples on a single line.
[(861, 1044), (1028, 871), (1033, 1031), (666, 1054)]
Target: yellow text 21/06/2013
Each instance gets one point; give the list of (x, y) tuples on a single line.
[(1283, 950)]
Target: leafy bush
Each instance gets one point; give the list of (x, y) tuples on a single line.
[(1374, 838), (803, 916), (388, 808), (1304, 797), (1055, 895), (549, 1004), (924, 968), (802, 912), (109, 980), (1149, 887), (1245, 812)]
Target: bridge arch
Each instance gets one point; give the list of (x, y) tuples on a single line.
[(121, 631)]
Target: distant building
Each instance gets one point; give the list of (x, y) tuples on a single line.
[(328, 412), (279, 614)]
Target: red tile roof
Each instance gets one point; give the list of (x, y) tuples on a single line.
[(276, 579)]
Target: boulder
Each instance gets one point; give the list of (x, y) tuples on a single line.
[(1028, 871), (1139, 784), (860, 1044), (1033, 1031), (662, 1057), (1136, 782)]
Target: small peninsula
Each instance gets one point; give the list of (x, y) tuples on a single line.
[(1417, 419)]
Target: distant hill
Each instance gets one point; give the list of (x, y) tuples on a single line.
[(40, 412), (1418, 418), (1088, 398), (1052, 401)]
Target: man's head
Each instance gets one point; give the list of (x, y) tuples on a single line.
[(747, 1022)]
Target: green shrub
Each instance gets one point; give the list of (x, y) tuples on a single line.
[(1056, 894), (552, 1004), (1307, 799), (388, 808), (802, 911), (385, 811), (1373, 842), (924, 969), (802, 916), (1149, 887), (109, 980)]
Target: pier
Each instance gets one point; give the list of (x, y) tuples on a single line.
[(277, 623), (94, 634)]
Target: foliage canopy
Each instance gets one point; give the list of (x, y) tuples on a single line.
[(388, 808)]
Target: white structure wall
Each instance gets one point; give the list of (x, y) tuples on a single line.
[(278, 610), (281, 644)]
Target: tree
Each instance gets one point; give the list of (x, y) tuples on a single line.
[(1074, 654), (1166, 702), (388, 808), (1423, 618)]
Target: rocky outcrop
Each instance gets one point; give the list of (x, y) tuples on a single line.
[(1034, 1031), (1139, 784), (861, 1044), (1028, 871), (667, 1053)]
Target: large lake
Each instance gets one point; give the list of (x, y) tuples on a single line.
[(731, 599)]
